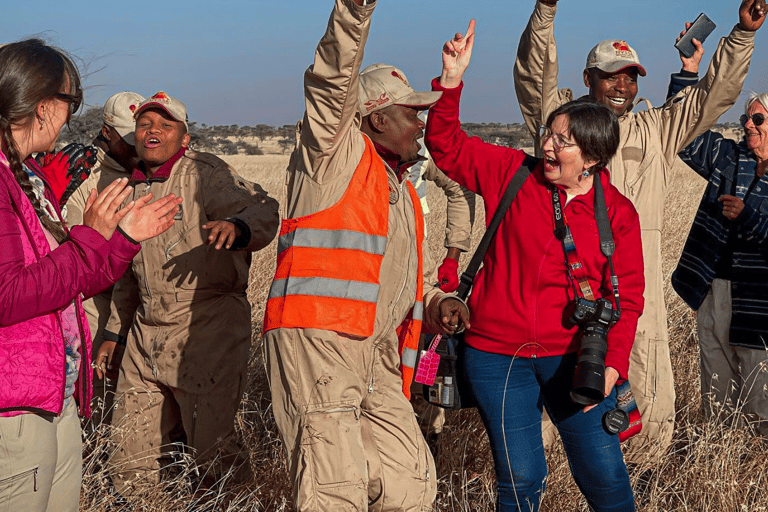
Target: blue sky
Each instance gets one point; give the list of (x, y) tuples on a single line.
[(241, 62)]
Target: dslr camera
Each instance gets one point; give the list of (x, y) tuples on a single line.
[(594, 318)]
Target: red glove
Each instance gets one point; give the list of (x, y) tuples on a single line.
[(67, 169), (448, 275), (54, 168)]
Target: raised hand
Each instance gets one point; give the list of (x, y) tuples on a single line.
[(752, 14), (146, 220), (103, 211), (456, 56), (691, 63)]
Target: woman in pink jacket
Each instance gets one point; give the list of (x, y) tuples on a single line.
[(44, 272)]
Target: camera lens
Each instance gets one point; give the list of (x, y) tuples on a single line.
[(589, 377)]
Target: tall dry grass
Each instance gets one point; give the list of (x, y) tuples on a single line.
[(710, 467)]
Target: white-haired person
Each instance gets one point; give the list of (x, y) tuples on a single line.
[(723, 270)]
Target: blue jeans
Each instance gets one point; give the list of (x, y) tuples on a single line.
[(510, 394)]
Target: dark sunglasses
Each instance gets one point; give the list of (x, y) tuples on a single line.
[(757, 119), (74, 101)]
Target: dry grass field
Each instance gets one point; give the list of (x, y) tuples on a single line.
[(710, 467)]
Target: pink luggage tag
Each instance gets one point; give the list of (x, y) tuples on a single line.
[(428, 363)]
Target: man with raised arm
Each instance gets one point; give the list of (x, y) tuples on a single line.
[(650, 140), (346, 306)]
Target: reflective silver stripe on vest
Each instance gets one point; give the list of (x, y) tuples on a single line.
[(418, 311), (323, 287), (332, 239), (408, 358)]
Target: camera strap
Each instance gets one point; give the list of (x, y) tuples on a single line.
[(573, 265)]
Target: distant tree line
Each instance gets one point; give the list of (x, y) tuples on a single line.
[(512, 135), (217, 139), (230, 139)]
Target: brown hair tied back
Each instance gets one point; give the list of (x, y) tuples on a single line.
[(32, 71)]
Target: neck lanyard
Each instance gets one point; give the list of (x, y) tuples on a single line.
[(575, 269)]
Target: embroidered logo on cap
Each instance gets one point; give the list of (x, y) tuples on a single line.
[(160, 95), (400, 77), (381, 100), (622, 49)]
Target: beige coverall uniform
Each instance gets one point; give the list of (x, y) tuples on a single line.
[(351, 436), (97, 307), (185, 365), (641, 170)]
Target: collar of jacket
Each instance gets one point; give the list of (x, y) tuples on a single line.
[(393, 160), (162, 173)]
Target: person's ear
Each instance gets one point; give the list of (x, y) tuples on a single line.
[(378, 120), (586, 79), (105, 132), (41, 111), (589, 164), (185, 140)]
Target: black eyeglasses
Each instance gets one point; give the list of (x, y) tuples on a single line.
[(757, 119)]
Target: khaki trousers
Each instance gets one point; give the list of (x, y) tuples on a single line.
[(155, 422), (734, 380), (41, 462), (351, 436)]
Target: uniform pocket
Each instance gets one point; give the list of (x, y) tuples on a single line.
[(17, 485), (333, 446)]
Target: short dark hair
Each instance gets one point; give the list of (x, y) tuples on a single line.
[(594, 128)]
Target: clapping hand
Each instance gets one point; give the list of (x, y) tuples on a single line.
[(146, 220)]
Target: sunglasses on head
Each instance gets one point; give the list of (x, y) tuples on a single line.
[(757, 119)]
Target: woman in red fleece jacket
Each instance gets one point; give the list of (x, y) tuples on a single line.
[(521, 353), (45, 350)]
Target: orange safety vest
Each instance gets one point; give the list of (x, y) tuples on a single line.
[(328, 265)]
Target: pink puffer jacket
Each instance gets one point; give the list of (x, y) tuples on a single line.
[(35, 285)]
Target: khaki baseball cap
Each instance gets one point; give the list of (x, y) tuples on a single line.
[(613, 55), (118, 113), (382, 85), (176, 109)]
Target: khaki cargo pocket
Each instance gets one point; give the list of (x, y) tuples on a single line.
[(333, 444), (332, 472), (19, 484)]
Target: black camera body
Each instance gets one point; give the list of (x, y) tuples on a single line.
[(594, 318)]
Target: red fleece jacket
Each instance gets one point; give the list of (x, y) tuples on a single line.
[(519, 296)]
